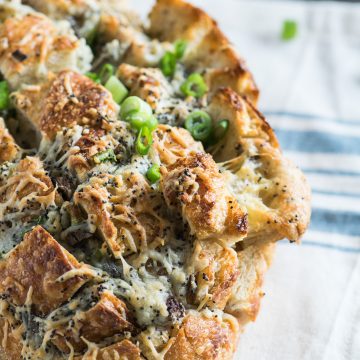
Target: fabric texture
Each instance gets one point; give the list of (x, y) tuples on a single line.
[(310, 93)]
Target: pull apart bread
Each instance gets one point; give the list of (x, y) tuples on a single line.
[(128, 241)]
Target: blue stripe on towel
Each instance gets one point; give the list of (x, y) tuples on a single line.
[(315, 142), (310, 117), (330, 246), (335, 221), (336, 193), (330, 172)]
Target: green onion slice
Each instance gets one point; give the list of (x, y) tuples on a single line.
[(140, 119), (107, 155), (180, 48), (106, 72), (132, 105), (117, 88), (93, 76), (198, 123), (153, 174), (4, 95), (289, 30), (143, 141), (194, 85), (168, 64), (220, 129)]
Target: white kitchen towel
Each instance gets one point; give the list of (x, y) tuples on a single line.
[(310, 93)]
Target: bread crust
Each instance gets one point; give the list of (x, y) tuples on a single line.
[(33, 269), (201, 338), (209, 49), (202, 236), (64, 101)]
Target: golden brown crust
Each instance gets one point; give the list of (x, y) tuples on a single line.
[(107, 318), (129, 217), (28, 188), (203, 338), (124, 349), (216, 270), (194, 187), (32, 42), (59, 8), (244, 122), (10, 346), (250, 139), (171, 20), (209, 50), (34, 269), (147, 83), (67, 100), (8, 148), (172, 143)]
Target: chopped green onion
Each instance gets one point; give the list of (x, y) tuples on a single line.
[(180, 48), (220, 129), (143, 141), (198, 123), (117, 88), (93, 76), (4, 95), (194, 85), (132, 105), (289, 30), (168, 64), (153, 174), (107, 155), (140, 119), (106, 72)]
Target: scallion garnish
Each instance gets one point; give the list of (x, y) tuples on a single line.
[(289, 30), (4, 95), (168, 64), (132, 105), (93, 76), (143, 141), (198, 123), (168, 61), (139, 120), (194, 86), (106, 72), (117, 88), (180, 48), (107, 155), (153, 174)]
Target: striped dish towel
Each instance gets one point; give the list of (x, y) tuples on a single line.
[(310, 93)]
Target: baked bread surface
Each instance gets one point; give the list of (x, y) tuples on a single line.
[(96, 261)]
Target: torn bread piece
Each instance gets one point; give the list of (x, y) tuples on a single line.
[(246, 293), (127, 213), (108, 317), (32, 46), (10, 340), (215, 271), (208, 52), (40, 269), (84, 15), (195, 191), (173, 143), (25, 190), (68, 99), (204, 336), (9, 150), (124, 349), (273, 191)]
